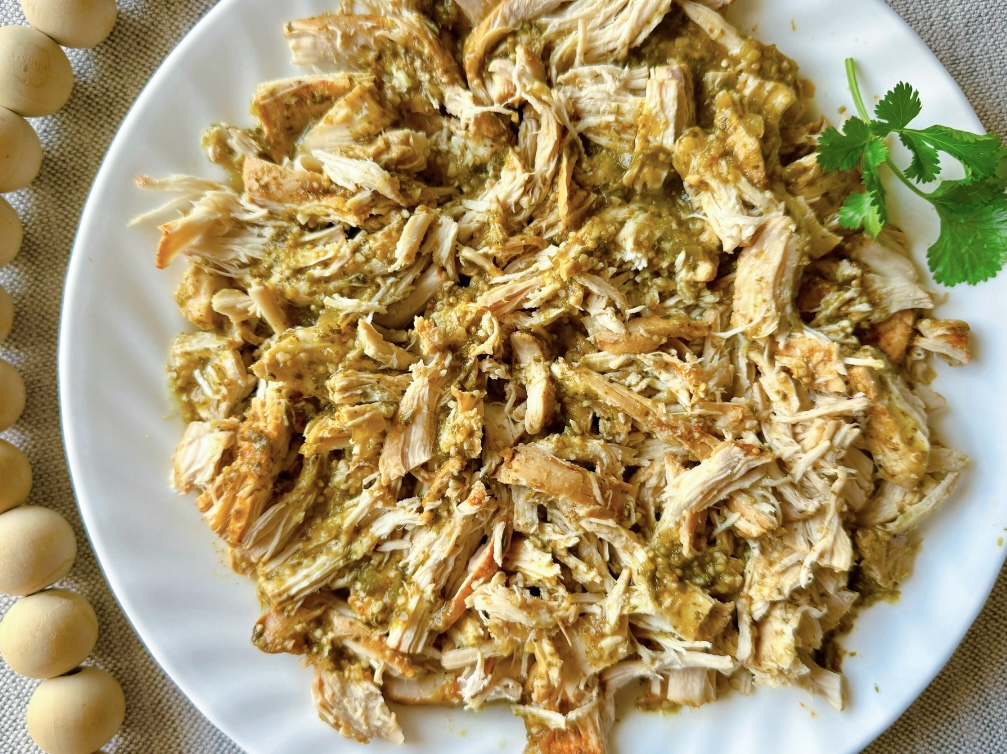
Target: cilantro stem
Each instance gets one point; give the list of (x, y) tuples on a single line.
[(905, 181), (858, 100), (851, 78)]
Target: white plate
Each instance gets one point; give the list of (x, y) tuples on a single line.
[(196, 617)]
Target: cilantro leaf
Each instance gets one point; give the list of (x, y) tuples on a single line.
[(860, 211), (898, 108), (972, 246), (875, 155), (878, 217), (977, 192), (926, 163), (841, 150), (979, 154)]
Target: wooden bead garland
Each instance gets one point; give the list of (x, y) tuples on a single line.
[(20, 152), (46, 634), (6, 313), (12, 395), (11, 232), (37, 549), (16, 473), (35, 74), (76, 713), (72, 23)]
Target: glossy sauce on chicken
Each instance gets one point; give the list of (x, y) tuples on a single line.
[(531, 363)]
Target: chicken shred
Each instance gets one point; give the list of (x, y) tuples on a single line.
[(532, 360)]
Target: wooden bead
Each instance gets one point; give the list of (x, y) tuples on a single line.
[(20, 152), (12, 395), (11, 232), (48, 634), (35, 74), (37, 549), (15, 476), (6, 313), (72, 23), (76, 713)]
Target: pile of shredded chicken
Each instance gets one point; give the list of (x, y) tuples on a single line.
[(532, 363)]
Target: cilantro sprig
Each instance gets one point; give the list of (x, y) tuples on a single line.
[(972, 245)]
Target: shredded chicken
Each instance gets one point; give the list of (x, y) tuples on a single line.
[(532, 361)]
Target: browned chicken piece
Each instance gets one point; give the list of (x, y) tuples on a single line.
[(811, 293), (194, 296), (481, 568), (585, 736), (680, 431), (349, 701), (199, 454), (886, 558), (303, 358), (288, 630), (476, 10), (507, 16), (668, 109), (534, 367), (594, 30), (402, 312), (721, 32), (734, 207), (357, 43), (731, 466), (604, 102), (362, 641), (813, 359), (892, 282), (647, 334), (413, 434), (755, 518), (287, 107), (896, 430), (360, 115), (269, 307), (312, 192), (892, 335), (272, 531), (386, 354), (209, 375), (239, 494), (782, 633), (538, 469), (766, 280), (437, 552), (948, 338), (266, 182), (462, 431)]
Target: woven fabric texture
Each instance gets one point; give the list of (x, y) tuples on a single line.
[(964, 709)]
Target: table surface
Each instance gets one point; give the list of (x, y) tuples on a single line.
[(964, 709)]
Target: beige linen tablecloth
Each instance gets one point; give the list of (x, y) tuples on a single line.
[(964, 710)]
